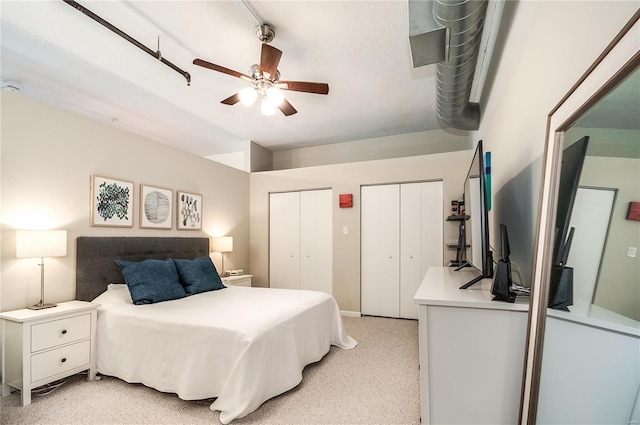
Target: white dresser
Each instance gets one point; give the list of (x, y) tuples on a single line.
[(471, 350), (242, 280), (42, 346)]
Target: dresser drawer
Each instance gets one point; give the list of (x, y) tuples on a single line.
[(58, 332), (60, 360)]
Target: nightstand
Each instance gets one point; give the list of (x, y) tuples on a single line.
[(242, 280), (42, 346)]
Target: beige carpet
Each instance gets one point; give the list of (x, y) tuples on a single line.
[(375, 383)]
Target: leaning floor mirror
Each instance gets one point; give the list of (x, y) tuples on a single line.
[(583, 352)]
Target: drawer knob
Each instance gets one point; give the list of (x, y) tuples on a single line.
[(64, 332), (64, 359)]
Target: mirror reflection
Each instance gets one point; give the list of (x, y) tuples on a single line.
[(604, 250), (590, 369)]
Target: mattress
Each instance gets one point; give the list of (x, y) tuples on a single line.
[(241, 345)]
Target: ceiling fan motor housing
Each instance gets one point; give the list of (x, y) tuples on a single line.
[(254, 72), (265, 33)]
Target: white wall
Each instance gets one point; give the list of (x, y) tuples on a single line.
[(543, 49), (398, 146), (347, 178), (47, 157)]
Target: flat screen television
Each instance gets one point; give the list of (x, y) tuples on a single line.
[(477, 227), (572, 162)]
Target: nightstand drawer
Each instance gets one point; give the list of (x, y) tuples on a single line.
[(60, 360), (58, 332)]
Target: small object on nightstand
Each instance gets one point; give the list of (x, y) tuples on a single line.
[(238, 280), (42, 346)]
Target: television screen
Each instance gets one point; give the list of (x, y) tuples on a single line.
[(572, 162), (477, 227)]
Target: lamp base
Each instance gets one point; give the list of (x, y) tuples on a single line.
[(40, 306)]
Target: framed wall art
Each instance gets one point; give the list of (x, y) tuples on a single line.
[(189, 211), (111, 202), (156, 207)]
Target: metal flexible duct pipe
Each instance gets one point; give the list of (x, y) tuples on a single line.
[(464, 20)]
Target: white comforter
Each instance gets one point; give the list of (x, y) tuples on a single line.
[(241, 345)]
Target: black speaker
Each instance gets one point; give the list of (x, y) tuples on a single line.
[(501, 287), (561, 288)]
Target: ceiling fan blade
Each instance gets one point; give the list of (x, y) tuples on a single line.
[(222, 69), (286, 108), (232, 100), (317, 88), (269, 60)]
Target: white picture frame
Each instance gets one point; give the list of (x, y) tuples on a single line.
[(111, 202), (189, 211), (156, 207)]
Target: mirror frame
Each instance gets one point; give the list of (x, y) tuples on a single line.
[(617, 61)]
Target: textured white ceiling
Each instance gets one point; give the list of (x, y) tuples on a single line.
[(360, 48)]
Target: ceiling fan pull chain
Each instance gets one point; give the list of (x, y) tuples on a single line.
[(158, 52)]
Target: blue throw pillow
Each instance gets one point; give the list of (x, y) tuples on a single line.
[(198, 275), (151, 281)]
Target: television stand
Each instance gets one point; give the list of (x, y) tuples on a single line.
[(472, 282)]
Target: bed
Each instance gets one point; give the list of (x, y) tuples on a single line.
[(239, 345)]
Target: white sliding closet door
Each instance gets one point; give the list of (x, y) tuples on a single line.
[(380, 247), (300, 240), (421, 238), (284, 240), (316, 250), (402, 236)]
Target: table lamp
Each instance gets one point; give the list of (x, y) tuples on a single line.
[(222, 244), (41, 243)]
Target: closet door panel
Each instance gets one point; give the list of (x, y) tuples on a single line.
[(422, 221), (380, 249), (316, 270), (284, 240), (410, 247)]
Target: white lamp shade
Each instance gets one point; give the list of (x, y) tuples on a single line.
[(222, 244), (41, 243)]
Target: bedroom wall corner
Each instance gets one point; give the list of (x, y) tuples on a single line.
[(47, 157)]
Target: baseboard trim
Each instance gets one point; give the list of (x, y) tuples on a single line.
[(350, 313)]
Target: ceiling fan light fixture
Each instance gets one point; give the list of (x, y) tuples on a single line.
[(248, 95), (267, 108), (275, 96)]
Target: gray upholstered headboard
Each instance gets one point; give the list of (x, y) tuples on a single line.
[(95, 268)]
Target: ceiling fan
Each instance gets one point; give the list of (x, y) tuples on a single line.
[(265, 79)]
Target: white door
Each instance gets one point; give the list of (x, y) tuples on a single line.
[(421, 239), (380, 249), (410, 247), (284, 240), (316, 242), (590, 217)]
